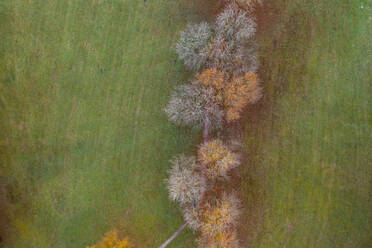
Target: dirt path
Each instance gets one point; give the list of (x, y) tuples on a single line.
[(250, 175)]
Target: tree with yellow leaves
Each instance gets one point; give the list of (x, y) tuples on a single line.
[(111, 240), (226, 239), (216, 159), (219, 220)]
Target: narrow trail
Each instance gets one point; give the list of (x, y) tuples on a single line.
[(254, 210)]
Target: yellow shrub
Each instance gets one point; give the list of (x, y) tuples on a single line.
[(111, 240)]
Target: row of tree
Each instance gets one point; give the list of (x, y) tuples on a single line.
[(223, 58), (222, 55)]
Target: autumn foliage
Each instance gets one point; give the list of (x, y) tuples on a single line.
[(227, 239), (112, 240), (240, 92), (219, 220), (223, 55), (217, 159), (233, 94), (212, 78)]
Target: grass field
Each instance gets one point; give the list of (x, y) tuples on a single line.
[(307, 182), (84, 141), (85, 144)]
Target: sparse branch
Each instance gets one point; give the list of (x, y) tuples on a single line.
[(233, 48), (185, 184), (192, 47), (193, 104)]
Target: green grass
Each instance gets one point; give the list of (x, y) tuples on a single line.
[(84, 142), (307, 180)]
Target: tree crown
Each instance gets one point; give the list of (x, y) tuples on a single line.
[(217, 159), (185, 184)]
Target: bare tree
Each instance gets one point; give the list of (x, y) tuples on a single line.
[(233, 47), (194, 105), (192, 47), (185, 184)]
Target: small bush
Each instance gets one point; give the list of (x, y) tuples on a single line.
[(111, 240)]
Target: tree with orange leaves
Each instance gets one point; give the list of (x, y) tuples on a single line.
[(212, 78), (240, 92), (232, 94)]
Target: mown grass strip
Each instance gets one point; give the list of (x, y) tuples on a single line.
[(85, 143), (307, 179)]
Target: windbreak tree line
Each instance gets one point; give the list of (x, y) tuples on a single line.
[(222, 57)]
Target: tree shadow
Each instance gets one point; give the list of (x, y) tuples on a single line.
[(4, 212), (284, 47)]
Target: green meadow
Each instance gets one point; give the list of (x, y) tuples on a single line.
[(307, 176), (84, 141)]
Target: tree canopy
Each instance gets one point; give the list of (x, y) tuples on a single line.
[(217, 159), (219, 219), (185, 184), (232, 94), (193, 104), (192, 47)]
